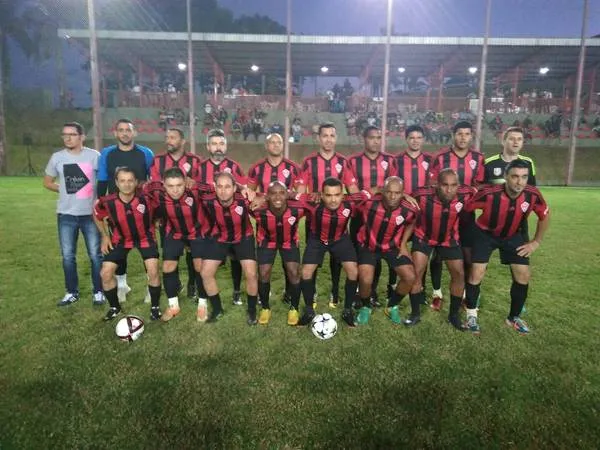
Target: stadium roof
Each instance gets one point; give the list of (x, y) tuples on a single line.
[(347, 56)]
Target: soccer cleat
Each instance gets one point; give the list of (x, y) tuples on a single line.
[(147, 298), (363, 316), (293, 317), (252, 318), (202, 311), (348, 317), (518, 324), (237, 298), (436, 303), (306, 318), (333, 302), (98, 299), (264, 317), (472, 325), (456, 323), (112, 313), (357, 304), (394, 314), (374, 301), (412, 320), (171, 312), (155, 313), (68, 299), (191, 290), (215, 316), (122, 292)]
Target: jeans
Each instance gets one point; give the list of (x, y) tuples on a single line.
[(68, 232)]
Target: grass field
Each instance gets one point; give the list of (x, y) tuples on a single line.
[(66, 381)]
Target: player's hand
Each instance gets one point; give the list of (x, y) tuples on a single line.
[(250, 194), (106, 245), (314, 197), (411, 200), (527, 249), (374, 190), (257, 202), (404, 251), (190, 183)]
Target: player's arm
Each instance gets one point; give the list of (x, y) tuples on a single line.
[(101, 220), (408, 231), (102, 176), (543, 223), (50, 183)]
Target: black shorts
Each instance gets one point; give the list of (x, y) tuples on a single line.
[(173, 248), (342, 250), (486, 243), (445, 253), (266, 256), (119, 253), (355, 224), (218, 251), (393, 257), (466, 230)]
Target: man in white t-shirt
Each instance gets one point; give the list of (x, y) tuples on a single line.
[(71, 172)]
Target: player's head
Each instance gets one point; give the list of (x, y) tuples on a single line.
[(175, 140), (216, 144), (327, 136), (125, 180), (73, 135), (462, 133), (512, 140), (277, 195), (392, 192), (125, 132), (516, 175), (372, 138), (332, 192), (274, 144), (224, 186), (414, 137), (174, 182), (447, 184)]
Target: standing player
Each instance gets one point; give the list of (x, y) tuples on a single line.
[(316, 168), (512, 144), (71, 173), (504, 208), (468, 163), (437, 229), (125, 153), (218, 162), (388, 223), (277, 230), (126, 221), (371, 168), (231, 232)]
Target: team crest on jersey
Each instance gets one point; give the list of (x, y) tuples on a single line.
[(239, 210), (189, 201), (473, 164), (458, 207), (338, 168), (285, 173), (384, 164), (291, 220), (497, 171), (186, 167), (141, 208), (425, 165), (227, 170), (524, 206), (346, 212), (399, 220)]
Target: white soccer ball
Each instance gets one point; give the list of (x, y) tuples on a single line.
[(324, 326), (130, 328)]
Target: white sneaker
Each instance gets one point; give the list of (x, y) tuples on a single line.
[(147, 298), (68, 299), (98, 298), (122, 292), (202, 311)]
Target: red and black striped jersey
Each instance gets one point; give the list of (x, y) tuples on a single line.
[(372, 172), (470, 168), (383, 228), (437, 223), (503, 216), (414, 171), (209, 169), (131, 223), (263, 173), (188, 163), (274, 231), (316, 169), (228, 224)]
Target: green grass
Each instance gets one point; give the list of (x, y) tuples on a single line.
[(66, 381)]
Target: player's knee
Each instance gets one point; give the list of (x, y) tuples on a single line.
[(169, 266), (409, 276), (107, 274), (265, 274), (351, 271)]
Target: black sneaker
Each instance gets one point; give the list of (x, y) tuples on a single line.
[(191, 290), (252, 318), (456, 323), (237, 298), (306, 318), (155, 313), (357, 304), (112, 313), (348, 317), (215, 316), (412, 320)]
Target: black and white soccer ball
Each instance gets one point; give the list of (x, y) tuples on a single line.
[(130, 328), (324, 326)]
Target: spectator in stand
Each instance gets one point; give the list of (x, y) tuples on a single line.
[(297, 130)]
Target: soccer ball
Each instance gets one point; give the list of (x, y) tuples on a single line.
[(130, 328), (324, 326)]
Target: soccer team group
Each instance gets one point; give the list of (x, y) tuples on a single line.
[(412, 210)]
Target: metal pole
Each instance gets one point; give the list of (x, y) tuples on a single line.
[(190, 79), (386, 75), (480, 106), (97, 111), (577, 107), (288, 81)]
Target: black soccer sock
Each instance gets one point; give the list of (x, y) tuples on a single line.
[(366, 302), (467, 272), (435, 268), (455, 302), (294, 293), (394, 299), (121, 267), (263, 293), (518, 295), (111, 297), (155, 295), (170, 281), (376, 279), (415, 303), (336, 270), (350, 293), (215, 303), (190, 268), (252, 300), (308, 292), (200, 286), (287, 280), (393, 277), (472, 294), (236, 275)]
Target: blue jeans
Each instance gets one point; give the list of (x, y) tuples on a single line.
[(68, 232)]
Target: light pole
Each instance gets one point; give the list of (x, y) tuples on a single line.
[(288, 81), (190, 77), (480, 103), (386, 74), (95, 78)]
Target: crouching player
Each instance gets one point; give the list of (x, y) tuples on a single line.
[(129, 218), (504, 210), (388, 223)]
